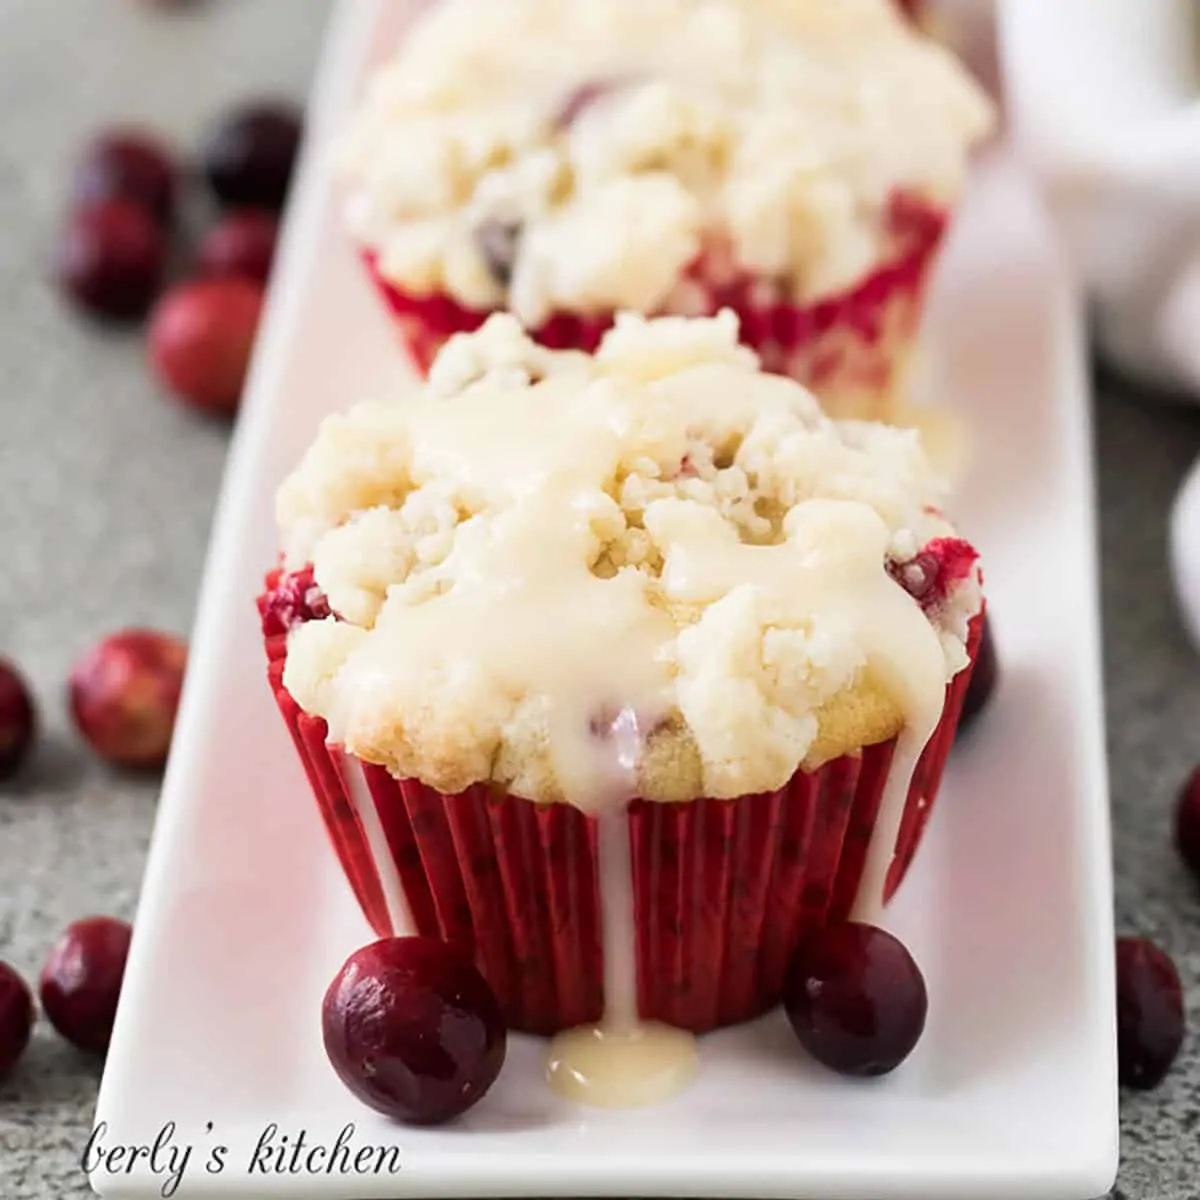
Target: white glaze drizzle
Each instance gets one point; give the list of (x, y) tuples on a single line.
[(622, 1062), (868, 903), (617, 929), (399, 913)]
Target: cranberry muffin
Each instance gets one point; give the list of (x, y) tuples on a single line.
[(656, 585), (796, 161)]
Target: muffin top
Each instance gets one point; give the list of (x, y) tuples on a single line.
[(552, 155), (549, 570)]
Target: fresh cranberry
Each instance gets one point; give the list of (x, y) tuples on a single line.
[(110, 259), (249, 155), (202, 339), (242, 244), (18, 719), (16, 1017), (930, 575), (127, 164), (81, 981), (983, 678), (1187, 822), (414, 1030), (294, 599), (855, 998), (1149, 1013), (124, 694)]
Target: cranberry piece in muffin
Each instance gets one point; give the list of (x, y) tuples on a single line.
[(498, 242), (930, 575), (294, 598)]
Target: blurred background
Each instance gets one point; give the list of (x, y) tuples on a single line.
[(107, 486)]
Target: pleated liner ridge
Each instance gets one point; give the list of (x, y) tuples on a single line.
[(723, 889)]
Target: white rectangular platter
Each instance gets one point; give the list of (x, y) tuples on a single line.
[(244, 917)]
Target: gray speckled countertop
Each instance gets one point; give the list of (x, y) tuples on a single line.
[(106, 491)]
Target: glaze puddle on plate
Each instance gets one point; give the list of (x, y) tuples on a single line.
[(245, 918)]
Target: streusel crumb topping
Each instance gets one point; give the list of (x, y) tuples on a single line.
[(559, 154), (538, 547)]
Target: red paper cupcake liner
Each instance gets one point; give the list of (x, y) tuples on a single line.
[(849, 348), (723, 889)]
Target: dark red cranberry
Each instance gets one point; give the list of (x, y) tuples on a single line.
[(1149, 1013), (855, 999), (242, 244), (294, 599), (918, 576), (18, 719), (1187, 822), (16, 1017), (202, 338), (124, 694), (81, 981), (983, 679), (498, 243), (110, 259), (414, 1030), (127, 164), (930, 575), (249, 156)]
